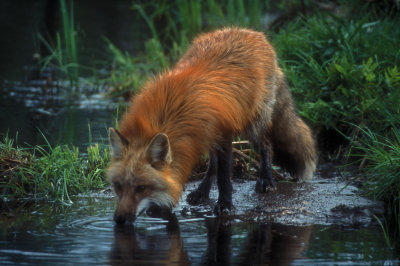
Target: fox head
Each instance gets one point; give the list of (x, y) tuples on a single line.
[(141, 176)]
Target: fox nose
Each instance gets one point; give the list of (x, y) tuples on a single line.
[(122, 219), (119, 219)]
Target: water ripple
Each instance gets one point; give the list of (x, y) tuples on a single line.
[(92, 223)]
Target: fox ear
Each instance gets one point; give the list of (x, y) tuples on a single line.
[(159, 151), (118, 143)]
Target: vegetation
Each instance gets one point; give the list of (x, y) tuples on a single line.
[(341, 71), (48, 172), (63, 52), (382, 180)]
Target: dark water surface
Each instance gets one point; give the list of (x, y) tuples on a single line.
[(84, 234)]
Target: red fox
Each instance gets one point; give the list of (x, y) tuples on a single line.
[(227, 83)]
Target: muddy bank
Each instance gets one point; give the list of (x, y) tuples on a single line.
[(326, 200)]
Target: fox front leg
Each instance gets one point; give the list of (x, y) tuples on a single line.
[(201, 194), (224, 155)]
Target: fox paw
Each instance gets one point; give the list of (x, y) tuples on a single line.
[(223, 209), (196, 197), (264, 185)]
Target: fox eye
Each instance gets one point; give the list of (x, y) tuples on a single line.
[(140, 188)]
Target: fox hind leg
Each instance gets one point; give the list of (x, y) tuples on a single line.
[(265, 181)]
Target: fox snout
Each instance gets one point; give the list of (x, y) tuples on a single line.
[(125, 213), (129, 208)]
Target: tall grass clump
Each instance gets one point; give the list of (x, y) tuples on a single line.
[(381, 154), (46, 172), (62, 54)]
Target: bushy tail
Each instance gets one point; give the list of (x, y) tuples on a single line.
[(292, 141)]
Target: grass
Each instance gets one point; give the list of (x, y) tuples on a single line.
[(62, 54), (382, 179), (129, 73), (53, 173)]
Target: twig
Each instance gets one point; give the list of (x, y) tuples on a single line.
[(240, 142), (275, 174), (12, 161), (240, 153)]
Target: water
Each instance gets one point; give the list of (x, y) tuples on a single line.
[(27, 115), (84, 234)]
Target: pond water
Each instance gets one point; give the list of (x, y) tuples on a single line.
[(85, 234)]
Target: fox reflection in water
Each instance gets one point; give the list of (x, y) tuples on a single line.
[(133, 248), (264, 244)]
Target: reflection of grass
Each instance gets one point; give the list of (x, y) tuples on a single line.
[(49, 172)]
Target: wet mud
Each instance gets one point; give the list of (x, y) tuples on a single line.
[(326, 200)]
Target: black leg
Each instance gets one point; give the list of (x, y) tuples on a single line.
[(200, 195), (224, 154), (265, 181)]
